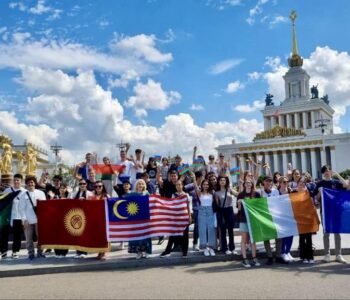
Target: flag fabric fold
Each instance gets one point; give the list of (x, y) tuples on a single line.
[(6, 201), (138, 217), (336, 211), (72, 224), (281, 216), (104, 169)]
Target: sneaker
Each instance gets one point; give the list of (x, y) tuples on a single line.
[(245, 263), (311, 261), (165, 254), (326, 258), (77, 255), (285, 257), (144, 255), (281, 261), (40, 255), (269, 261), (48, 250), (195, 248), (138, 255), (15, 255), (255, 262), (305, 261), (206, 252), (291, 258), (4, 255), (234, 252), (228, 252), (339, 258), (83, 255), (212, 252)]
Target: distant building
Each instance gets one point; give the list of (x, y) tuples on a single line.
[(299, 131)]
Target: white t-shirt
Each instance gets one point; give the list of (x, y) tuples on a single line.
[(206, 200), (129, 165), (26, 208), (136, 170), (15, 213)]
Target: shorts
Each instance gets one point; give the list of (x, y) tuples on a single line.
[(243, 227)]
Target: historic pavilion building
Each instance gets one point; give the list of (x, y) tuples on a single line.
[(298, 131)]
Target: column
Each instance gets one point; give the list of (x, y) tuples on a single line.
[(273, 121), (304, 120), (333, 165), (313, 119), (280, 120), (313, 163), (284, 162), (275, 162), (266, 123), (296, 120), (323, 156), (294, 160), (267, 160), (303, 160), (289, 120)]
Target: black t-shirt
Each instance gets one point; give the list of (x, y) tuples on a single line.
[(329, 184), (241, 214), (90, 185), (168, 189), (152, 172)]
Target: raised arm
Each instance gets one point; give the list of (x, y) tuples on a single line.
[(194, 153), (196, 188)]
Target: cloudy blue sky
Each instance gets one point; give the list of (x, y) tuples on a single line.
[(164, 75)]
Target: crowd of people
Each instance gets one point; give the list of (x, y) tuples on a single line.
[(215, 203)]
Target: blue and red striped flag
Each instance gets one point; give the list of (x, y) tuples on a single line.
[(137, 217), (234, 171)]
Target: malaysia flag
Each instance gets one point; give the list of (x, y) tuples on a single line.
[(137, 217)]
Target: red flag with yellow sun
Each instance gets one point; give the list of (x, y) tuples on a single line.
[(72, 224)]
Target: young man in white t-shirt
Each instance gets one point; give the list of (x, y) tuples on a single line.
[(16, 222), (27, 207), (127, 172)]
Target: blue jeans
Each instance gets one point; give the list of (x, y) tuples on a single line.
[(207, 231), (286, 244)]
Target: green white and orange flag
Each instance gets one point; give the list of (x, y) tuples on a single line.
[(280, 216)]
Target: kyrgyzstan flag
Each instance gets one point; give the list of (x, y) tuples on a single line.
[(72, 224)]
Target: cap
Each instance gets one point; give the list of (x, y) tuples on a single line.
[(211, 156), (267, 178)]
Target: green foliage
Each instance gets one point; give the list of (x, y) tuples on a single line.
[(345, 173)]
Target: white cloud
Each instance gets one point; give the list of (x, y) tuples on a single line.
[(196, 107), (234, 86), (50, 53), (246, 108), (328, 68), (278, 19), (140, 46), (124, 80), (39, 9), (224, 66), (254, 75), (255, 11), (103, 23), (76, 112), (223, 4), (151, 96)]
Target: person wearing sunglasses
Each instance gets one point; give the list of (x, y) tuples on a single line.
[(83, 194)]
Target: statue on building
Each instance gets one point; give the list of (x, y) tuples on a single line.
[(6, 161), (31, 157), (314, 92), (325, 99), (20, 162), (268, 100)]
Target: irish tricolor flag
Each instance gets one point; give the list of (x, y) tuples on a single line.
[(280, 216)]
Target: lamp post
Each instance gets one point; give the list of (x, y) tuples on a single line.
[(56, 150), (322, 123), (121, 145)]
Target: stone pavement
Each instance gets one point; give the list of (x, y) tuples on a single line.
[(120, 259)]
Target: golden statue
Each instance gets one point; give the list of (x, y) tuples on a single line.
[(6, 165), (31, 157), (20, 162)]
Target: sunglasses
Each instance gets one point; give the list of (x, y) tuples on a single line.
[(82, 183)]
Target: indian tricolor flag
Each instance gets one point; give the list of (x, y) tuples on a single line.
[(281, 216)]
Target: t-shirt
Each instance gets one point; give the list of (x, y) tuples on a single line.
[(241, 213), (127, 170), (84, 171), (206, 200), (220, 195), (15, 213), (152, 173), (168, 189)]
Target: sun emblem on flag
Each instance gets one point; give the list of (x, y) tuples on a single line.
[(132, 208), (75, 221)]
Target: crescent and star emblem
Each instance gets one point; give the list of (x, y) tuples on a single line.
[(132, 209), (116, 212)]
